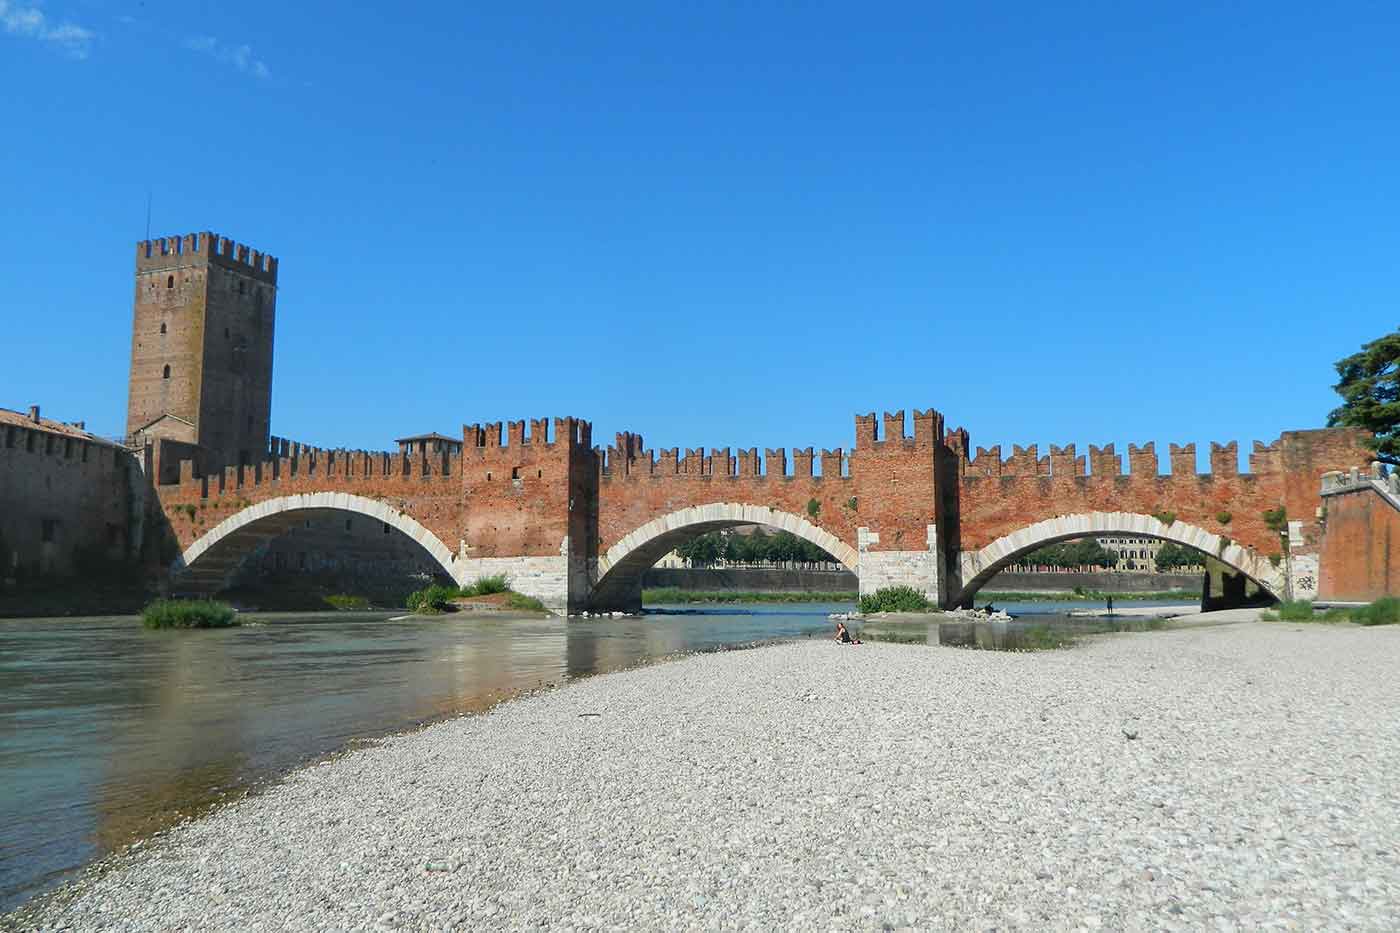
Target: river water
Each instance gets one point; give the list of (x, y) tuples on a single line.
[(110, 732)]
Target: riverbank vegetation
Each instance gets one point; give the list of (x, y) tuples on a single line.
[(671, 594), (758, 548), (1085, 554), (1384, 611), (188, 613), (346, 602), (492, 592), (896, 599), (1079, 594)]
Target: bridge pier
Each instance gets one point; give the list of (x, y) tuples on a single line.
[(918, 569)]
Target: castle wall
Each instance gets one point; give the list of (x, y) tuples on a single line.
[(1360, 544), (63, 493)]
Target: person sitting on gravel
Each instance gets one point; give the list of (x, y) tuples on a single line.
[(844, 636)]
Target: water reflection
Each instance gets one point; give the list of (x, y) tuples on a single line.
[(109, 732)]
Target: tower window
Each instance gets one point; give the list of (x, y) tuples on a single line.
[(162, 328), (242, 286), (170, 281), (167, 372), (225, 333)]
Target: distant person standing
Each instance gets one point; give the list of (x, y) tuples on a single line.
[(1110, 605)]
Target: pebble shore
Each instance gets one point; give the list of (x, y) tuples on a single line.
[(1218, 778)]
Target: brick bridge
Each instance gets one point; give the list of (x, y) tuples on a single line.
[(576, 525)]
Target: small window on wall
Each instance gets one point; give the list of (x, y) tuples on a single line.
[(242, 287), (48, 529), (347, 524), (386, 528), (166, 372), (162, 328)]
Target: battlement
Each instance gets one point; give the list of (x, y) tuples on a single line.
[(181, 465), (202, 249), (928, 430), (1105, 461), (628, 457), (477, 439)]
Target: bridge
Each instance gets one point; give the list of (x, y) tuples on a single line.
[(576, 525)]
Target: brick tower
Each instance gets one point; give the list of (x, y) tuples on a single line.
[(201, 347)]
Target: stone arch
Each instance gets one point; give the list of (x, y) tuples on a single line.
[(618, 579), (980, 566), (206, 563)]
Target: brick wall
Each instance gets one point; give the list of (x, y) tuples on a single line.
[(60, 493), (203, 318), (1360, 546)]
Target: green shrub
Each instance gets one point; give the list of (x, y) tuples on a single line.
[(1224, 518), (521, 601), (895, 599), (1384, 611), (432, 600), (1276, 519), (486, 586), (1298, 610), (1165, 517), (814, 508), (344, 601), (188, 613)]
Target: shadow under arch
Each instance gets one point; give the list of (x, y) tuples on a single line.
[(619, 576), (206, 565), (977, 567)]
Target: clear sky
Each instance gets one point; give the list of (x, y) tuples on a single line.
[(720, 224)]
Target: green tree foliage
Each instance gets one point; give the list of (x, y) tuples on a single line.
[(1172, 556), (1370, 389), (1072, 555), (758, 548)]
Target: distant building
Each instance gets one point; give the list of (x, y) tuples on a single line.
[(1139, 555), (433, 443)]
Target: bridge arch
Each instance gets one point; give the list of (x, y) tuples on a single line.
[(620, 570), (980, 566), (207, 563)]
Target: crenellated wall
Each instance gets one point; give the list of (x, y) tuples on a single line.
[(576, 525), (998, 497), (64, 495)]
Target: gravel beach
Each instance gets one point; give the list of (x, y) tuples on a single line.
[(1211, 778)]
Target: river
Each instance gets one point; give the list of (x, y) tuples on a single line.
[(110, 732)]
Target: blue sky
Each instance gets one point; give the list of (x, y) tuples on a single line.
[(718, 224)]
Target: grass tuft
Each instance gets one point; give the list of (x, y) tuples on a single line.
[(344, 601), (188, 613), (523, 602), (895, 599), (487, 586), (1384, 611)]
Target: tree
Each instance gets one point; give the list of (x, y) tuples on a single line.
[(1172, 556), (701, 551), (1370, 391)]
